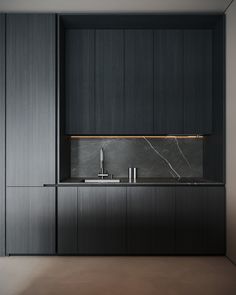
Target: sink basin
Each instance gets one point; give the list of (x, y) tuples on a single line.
[(102, 180)]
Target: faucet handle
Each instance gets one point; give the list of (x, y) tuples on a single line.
[(103, 174)]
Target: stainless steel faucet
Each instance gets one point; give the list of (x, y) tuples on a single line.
[(102, 172)]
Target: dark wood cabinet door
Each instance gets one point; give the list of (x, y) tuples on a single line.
[(200, 220), (190, 222), (30, 99), (67, 220), (197, 81), (2, 134), (215, 220), (109, 82), (79, 81), (138, 82), (101, 220), (30, 216), (91, 220), (168, 82), (151, 220)]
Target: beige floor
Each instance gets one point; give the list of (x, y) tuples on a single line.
[(117, 276)]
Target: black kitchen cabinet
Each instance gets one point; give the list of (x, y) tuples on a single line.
[(138, 82), (79, 81), (215, 220), (183, 81), (109, 82), (141, 220), (2, 134), (30, 220), (151, 220), (30, 99), (94, 81), (67, 220), (200, 220), (168, 82), (91, 220), (197, 81)]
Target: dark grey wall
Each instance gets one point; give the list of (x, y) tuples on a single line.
[(2, 134), (152, 157)]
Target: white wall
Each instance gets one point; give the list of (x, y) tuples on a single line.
[(231, 130)]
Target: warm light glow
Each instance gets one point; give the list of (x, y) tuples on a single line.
[(135, 136)]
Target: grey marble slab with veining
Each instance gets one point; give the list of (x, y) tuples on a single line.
[(170, 157)]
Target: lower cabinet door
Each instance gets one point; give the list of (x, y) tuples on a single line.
[(30, 214), (91, 220), (200, 220), (151, 220)]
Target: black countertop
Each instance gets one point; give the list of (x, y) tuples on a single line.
[(142, 182)]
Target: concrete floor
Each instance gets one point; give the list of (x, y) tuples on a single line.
[(117, 276)]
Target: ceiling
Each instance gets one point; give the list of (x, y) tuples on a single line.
[(114, 5)]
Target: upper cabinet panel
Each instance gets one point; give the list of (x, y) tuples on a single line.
[(109, 71), (197, 81), (30, 99), (149, 77), (79, 81), (138, 82), (168, 82)]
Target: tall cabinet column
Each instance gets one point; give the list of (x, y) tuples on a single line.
[(31, 137), (2, 134)]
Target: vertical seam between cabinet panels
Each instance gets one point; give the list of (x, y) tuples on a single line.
[(56, 220), (124, 98), (77, 219), (153, 82), (56, 129), (175, 220), (5, 131), (126, 220), (212, 78), (94, 81), (225, 220), (183, 79), (223, 48)]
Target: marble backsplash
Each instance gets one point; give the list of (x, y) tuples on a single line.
[(164, 157)]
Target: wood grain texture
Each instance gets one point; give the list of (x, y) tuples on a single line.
[(30, 220), (109, 81), (2, 134), (63, 142), (200, 220), (151, 217), (190, 215), (30, 99), (101, 220), (67, 220), (168, 82), (138, 82), (215, 220), (197, 81), (214, 145), (79, 81)]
